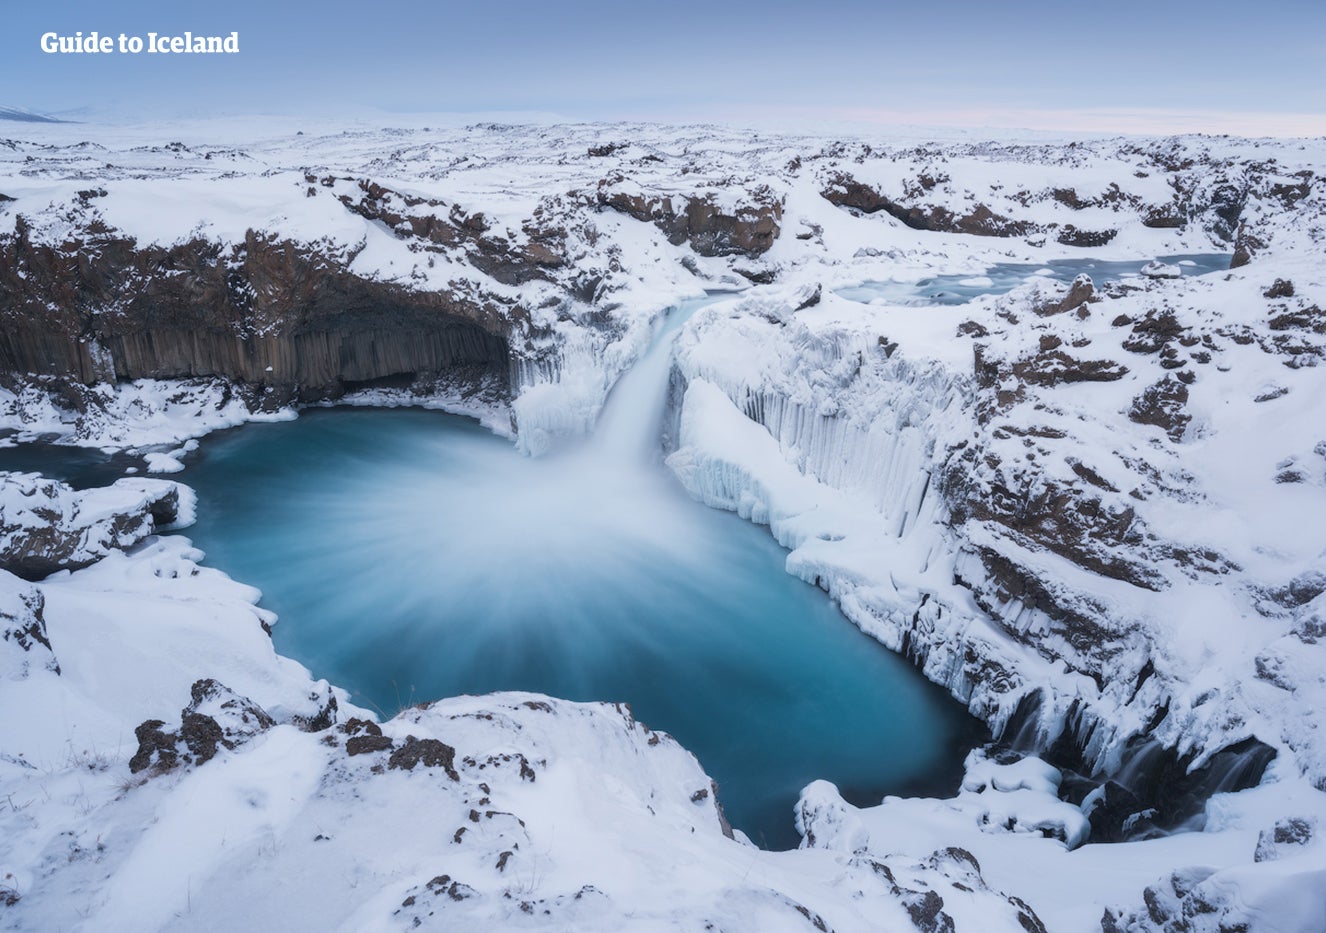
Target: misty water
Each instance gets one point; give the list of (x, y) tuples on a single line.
[(412, 555)]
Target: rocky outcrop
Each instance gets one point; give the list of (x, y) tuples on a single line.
[(45, 526), (827, 822), (1246, 246), (431, 753), (847, 192), (1071, 235), (748, 227), (1163, 405), (437, 224), (215, 718), (266, 311)]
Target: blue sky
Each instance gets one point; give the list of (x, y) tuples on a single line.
[(1211, 65)]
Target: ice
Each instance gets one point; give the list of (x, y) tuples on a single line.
[(841, 425)]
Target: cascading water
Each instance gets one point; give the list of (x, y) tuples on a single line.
[(631, 423)]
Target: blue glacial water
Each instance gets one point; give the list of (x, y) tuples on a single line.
[(1004, 277), (411, 555)]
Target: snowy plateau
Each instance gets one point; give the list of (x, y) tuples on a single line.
[(1094, 511)]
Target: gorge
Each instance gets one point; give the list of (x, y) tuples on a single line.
[(1085, 506)]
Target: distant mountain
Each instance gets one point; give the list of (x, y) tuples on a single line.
[(27, 116)]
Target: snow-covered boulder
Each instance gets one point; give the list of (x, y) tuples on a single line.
[(46, 526), (24, 645)]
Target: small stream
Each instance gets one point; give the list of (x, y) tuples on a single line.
[(1002, 278)]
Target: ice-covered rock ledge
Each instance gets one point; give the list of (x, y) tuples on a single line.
[(1026, 526), (45, 526), (1096, 516)]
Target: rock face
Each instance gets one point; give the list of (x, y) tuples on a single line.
[(747, 228), (45, 526), (268, 312), (846, 191)]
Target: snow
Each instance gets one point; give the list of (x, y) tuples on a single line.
[(862, 434)]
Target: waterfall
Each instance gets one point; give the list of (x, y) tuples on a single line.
[(631, 421)]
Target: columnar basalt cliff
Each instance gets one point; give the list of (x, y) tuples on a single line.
[(100, 308), (305, 318)]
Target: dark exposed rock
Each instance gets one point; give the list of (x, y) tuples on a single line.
[(1280, 288), (1069, 198), (355, 726), (1311, 319), (926, 910), (750, 230), (1166, 217), (202, 735), (1079, 293), (364, 744), (1163, 907), (324, 718), (215, 718), (153, 743), (1153, 332), (757, 276), (1072, 236), (267, 312), (1081, 624), (845, 191), (1228, 202), (437, 224), (1154, 789), (1163, 405), (1290, 193), (1246, 246), (811, 299), (925, 906), (1306, 587), (1056, 367), (1286, 834), (1091, 476), (429, 752)]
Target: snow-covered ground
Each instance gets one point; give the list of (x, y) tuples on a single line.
[(1094, 513)]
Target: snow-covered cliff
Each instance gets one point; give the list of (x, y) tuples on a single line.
[(1093, 512)]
